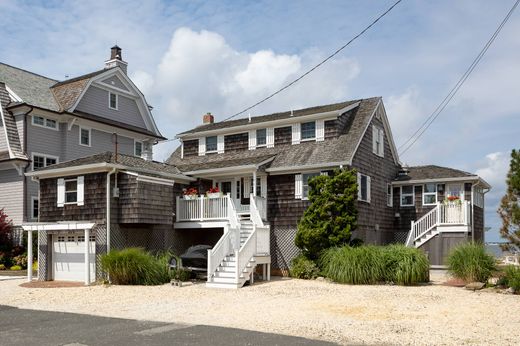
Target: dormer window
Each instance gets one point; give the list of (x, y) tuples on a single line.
[(138, 148), (308, 130), (261, 137), (211, 144), (112, 101)]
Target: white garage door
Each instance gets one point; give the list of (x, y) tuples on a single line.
[(68, 257)]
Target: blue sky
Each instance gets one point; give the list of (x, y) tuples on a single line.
[(191, 57)]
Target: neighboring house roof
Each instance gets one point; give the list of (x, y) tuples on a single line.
[(108, 160), (14, 147), (331, 152), (270, 117), (436, 173)]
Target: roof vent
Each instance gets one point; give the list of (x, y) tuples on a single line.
[(208, 118)]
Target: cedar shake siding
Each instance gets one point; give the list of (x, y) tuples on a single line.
[(331, 129), (191, 147), (478, 223), (282, 135), (382, 170), (439, 247), (238, 141)]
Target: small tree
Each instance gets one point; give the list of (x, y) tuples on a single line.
[(332, 214), (6, 227), (509, 209)]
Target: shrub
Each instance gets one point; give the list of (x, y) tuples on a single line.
[(180, 274), (6, 227), (134, 266), (512, 277), (303, 268), (2, 267), (470, 262), (16, 268), (373, 264), (20, 260)]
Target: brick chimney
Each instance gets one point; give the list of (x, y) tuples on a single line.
[(116, 59), (208, 118)]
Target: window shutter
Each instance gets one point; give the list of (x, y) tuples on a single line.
[(202, 146), (263, 186), (61, 192), (247, 187), (368, 189), (81, 190), (375, 135), (220, 144), (252, 140), (270, 137), (298, 186), (296, 134), (320, 130), (182, 149), (382, 142), (359, 186)]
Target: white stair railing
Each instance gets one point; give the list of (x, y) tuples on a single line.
[(244, 255), (423, 225), (223, 248)]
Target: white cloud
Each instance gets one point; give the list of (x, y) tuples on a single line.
[(494, 170)]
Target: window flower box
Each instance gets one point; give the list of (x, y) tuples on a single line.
[(214, 192), (190, 194)]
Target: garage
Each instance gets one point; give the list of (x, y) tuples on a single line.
[(68, 256)]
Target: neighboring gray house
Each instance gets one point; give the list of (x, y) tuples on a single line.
[(45, 121)]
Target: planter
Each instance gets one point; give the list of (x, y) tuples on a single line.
[(214, 194), (190, 197)]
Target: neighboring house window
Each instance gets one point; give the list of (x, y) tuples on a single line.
[(363, 188), (308, 130), (407, 196), (35, 210), (389, 195), (84, 137), (211, 144), (429, 194), (112, 101), (378, 146), (41, 161), (258, 186), (138, 148), (261, 137), (81, 238), (44, 122), (71, 191)]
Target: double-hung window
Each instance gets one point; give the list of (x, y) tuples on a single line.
[(71, 190), (363, 188), (261, 137), (84, 137), (308, 130), (41, 161), (113, 101), (407, 196), (389, 195), (138, 148), (211, 144), (378, 147), (35, 208), (429, 194), (305, 183)]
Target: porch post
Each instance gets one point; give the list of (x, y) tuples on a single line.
[(87, 257), (254, 183), (29, 255)]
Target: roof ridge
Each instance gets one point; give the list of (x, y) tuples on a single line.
[(84, 76), (33, 73)]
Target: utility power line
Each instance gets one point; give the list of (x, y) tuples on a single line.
[(318, 65), (431, 118)]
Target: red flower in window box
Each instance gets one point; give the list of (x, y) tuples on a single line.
[(453, 198), (192, 191), (214, 190)]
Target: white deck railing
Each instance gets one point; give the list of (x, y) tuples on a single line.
[(202, 208), (244, 255), (441, 215), (222, 249)]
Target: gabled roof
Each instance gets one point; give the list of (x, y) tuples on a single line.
[(10, 131), (110, 160), (271, 117), (331, 152)]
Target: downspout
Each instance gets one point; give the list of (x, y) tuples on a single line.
[(108, 207)]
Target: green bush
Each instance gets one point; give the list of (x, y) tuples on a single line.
[(134, 266), (21, 260), (303, 268), (470, 262), (180, 274), (512, 277), (16, 268), (2, 267), (375, 264)]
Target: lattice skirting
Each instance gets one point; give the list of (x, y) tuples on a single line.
[(400, 237), (283, 249)]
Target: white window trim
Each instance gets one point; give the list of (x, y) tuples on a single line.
[(424, 194), (89, 136), (117, 100), (369, 188), (401, 196), (378, 142), (391, 204), (135, 148), (65, 190), (45, 157), (33, 198), (45, 123), (313, 139), (206, 151), (256, 136)]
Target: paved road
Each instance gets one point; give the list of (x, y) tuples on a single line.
[(32, 327)]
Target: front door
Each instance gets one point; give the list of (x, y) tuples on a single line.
[(233, 188)]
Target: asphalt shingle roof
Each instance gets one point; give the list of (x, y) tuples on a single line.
[(339, 149), (7, 119), (432, 172)]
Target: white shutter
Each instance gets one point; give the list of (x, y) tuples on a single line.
[(81, 190), (320, 130), (182, 149), (270, 137), (298, 186), (382, 142), (252, 140), (375, 135), (247, 187), (263, 186), (359, 186), (220, 144), (296, 133), (368, 189), (61, 192), (202, 146)]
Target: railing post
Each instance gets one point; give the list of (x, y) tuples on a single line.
[(439, 212), (237, 274), (177, 208), (201, 207), (210, 275)]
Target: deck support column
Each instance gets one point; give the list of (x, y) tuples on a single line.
[(29, 255), (87, 257), (254, 183)]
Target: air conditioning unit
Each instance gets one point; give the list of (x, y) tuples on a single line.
[(115, 192)]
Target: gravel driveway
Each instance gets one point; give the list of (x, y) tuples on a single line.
[(432, 314)]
